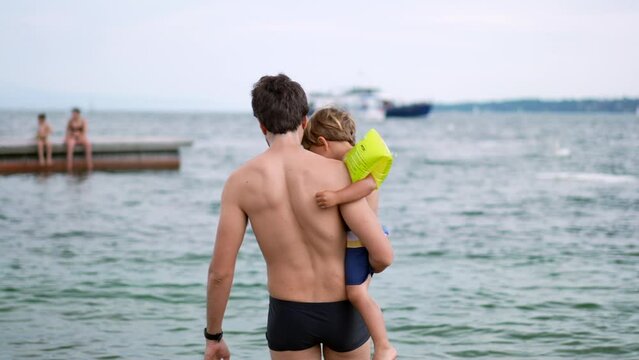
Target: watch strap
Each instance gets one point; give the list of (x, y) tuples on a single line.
[(214, 337)]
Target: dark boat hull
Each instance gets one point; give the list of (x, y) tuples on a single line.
[(409, 111)]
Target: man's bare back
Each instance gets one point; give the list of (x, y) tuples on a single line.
[(303, 245)]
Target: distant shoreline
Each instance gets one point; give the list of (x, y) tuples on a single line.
[(623, 105), (620, 105)]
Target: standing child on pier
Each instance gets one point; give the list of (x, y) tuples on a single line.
[(331, 133), (42, 136)]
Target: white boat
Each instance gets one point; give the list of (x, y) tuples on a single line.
[(361, 103)]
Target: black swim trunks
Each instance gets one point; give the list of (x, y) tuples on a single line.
[(294, 326)]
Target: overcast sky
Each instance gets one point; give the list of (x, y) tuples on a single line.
[(205, 55)]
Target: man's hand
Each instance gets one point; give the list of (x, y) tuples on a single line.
[(326, 199), (216, 350)]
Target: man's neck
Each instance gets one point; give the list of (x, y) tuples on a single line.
[(290, 139)]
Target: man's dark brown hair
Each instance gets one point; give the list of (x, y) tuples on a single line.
[(279, 103)]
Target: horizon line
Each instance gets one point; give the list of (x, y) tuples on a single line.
[(178, 110)]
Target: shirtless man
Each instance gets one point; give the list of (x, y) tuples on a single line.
[(303, 245)]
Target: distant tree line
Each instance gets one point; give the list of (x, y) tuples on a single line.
[(586, 105)]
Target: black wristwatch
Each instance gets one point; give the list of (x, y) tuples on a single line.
[(214, 337)]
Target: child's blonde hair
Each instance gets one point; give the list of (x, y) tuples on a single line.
[(330, 123)]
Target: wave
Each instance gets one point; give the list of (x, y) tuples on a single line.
[(591, 177)]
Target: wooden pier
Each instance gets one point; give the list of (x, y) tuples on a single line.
[(109, 154)]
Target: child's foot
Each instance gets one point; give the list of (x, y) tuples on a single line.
[(385, 353)]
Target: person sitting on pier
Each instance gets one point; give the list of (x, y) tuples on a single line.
[(77, 134), (42, 136)]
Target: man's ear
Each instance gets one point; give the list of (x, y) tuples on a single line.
[(263, 128), (305, 122)]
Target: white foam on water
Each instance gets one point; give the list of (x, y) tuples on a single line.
[(562, 152), (591, 177)]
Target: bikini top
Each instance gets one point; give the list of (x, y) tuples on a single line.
[(78, 128)]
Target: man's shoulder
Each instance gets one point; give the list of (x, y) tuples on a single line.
[(249, 169), (256, 163), (333, 165), (242, 171), (332, 170)]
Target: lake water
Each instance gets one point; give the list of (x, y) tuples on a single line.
[(516, 236)]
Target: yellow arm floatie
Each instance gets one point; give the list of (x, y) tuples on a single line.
[(369, 156)]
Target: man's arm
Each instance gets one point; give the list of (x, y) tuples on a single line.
[(355, 191), (361, 219), (230, 233)]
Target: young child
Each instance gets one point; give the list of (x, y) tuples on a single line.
[(331, 133), (42, 136)]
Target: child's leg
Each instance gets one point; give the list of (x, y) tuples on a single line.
[(41, 151), (372, 314)]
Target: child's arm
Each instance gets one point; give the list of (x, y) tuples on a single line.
[(355, 191)]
